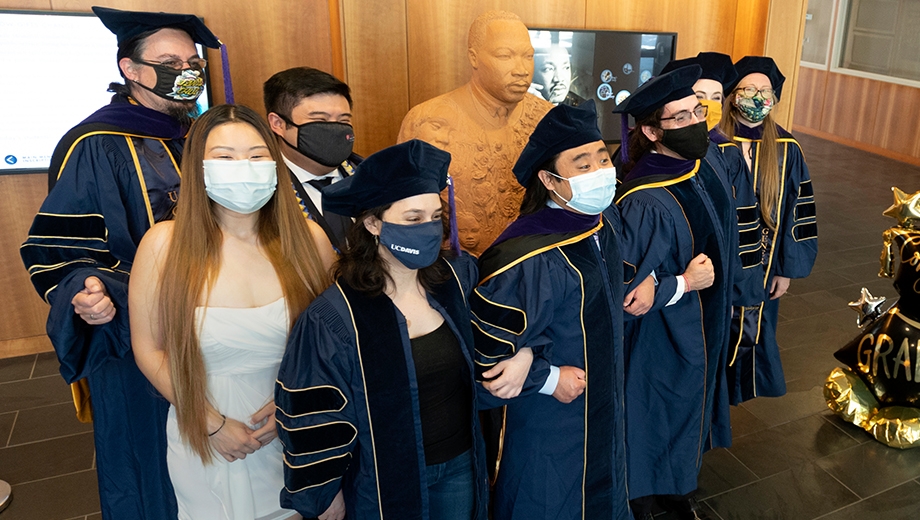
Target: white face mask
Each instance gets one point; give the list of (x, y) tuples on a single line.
[(241, 186), (593, 192)]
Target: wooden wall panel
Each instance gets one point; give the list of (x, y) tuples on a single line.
[(376, 58), (809, 103), (785, 29), (438, 60), (896, 123), (702, 25), (751, 18), (22, 311), (850, 106)]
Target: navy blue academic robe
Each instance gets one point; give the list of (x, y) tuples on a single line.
[(676, 394), (115, 175), (790, 251), (347, 404), (552, 282)]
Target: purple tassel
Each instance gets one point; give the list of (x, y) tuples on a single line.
[(452, 205), (624, 132), (228, 83)]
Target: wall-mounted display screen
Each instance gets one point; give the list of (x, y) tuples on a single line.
[(571, 66), (56, 69)]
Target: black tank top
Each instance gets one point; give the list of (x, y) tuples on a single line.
[(444, 394)]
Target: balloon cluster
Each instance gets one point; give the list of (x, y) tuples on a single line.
[(879, 389)]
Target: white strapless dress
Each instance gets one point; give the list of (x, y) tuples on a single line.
[(242, 350)]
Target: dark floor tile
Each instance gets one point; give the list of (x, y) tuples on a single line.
[(721, 472), (94, 516), (810, 361), (58, 498), (803, 398), (810, 304), (872, 467), (790, 445), (47, 364), (857, 433), (36, 424), (799, 493), (744, 422), (14, 369), (816, 282), (900, 503), (861, 273), (6, 426), (831, 330), (31, 393), (41, 460)]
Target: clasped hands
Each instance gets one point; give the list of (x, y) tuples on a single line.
[(235, 440), (510, 375)]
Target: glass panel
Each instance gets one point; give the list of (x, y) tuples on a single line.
[(882, 37), (817, 31)]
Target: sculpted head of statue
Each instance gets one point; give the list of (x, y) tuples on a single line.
[(501, 56)]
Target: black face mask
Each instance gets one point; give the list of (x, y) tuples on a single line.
[(325, 142), (690, 142), (176, 85)]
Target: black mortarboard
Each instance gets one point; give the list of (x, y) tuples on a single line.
[(764, 65), (659, 91), (395, 173), (716, 66), (561, 129), (128, 24)]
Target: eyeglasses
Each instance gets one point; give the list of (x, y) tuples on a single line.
[(749, 92), (195, 63), (685, 116)]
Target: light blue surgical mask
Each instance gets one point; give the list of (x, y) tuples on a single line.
[(241, 186), (593, 192)]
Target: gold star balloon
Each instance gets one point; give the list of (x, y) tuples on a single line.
[(906, 208), (868, 307)]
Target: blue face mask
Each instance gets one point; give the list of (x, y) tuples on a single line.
[(415, 245)]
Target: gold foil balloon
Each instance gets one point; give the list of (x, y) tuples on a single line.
[(880, 389)]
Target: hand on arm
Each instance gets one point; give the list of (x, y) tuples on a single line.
[(510, 375), (93, 303), (233, 440), (336, 510), (640, 299), (699, 274), (269, 431), (779, 286), (571, 384)]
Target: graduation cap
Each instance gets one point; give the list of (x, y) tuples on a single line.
[(561, 129), (395, 173), (716, 66), (762, 64), (659, 91), (129, 24)]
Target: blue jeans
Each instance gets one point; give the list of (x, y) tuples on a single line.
[(450, 488)]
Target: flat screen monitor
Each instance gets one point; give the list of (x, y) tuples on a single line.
[(56, 69), (571, 66)]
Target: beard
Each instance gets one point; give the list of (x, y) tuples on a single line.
[(183, 111)]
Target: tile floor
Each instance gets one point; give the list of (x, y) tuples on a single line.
[(791, 458)]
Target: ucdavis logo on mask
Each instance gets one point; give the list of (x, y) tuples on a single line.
[(415, 245)]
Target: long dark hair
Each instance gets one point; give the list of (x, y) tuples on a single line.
[(362, 267), (638, 144), (536, 196)]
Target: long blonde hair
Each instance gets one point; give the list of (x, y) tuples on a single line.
[(193, 264), (768, 174)]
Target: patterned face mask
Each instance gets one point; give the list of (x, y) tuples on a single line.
[(754, 109)]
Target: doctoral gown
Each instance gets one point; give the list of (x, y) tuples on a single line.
[(348, 409), (112, 177), (676, 394), (790, 251), (552, 282)]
